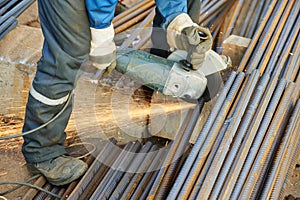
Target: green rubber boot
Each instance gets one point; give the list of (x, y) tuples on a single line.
[(59, 171)]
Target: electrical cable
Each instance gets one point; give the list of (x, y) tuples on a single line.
[(17, 187), (83, 143), (43, 125), (29, 185)]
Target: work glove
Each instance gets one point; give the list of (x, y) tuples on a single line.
[(103, 49), (184, 34)]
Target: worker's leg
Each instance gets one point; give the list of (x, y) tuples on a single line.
[(67, 35), (160, 46)]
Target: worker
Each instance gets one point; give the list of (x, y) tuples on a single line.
[(76, 31)]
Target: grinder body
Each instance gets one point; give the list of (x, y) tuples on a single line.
[(167, 76)]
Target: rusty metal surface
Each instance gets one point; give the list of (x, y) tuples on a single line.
[(240, 135), (260, 32), (288, 145), (250, 138)]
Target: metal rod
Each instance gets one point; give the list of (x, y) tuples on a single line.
[(168, 178), (241, 134), (11, 25), (100, 173), (106, 186), (185, 131), (31, 193), (207, 7), (41, 195), (72, 185), (272, 105), (144, 185), (133, 14), (293, 64), (137, 31), (3, 2), (233, 18), (119, 189), (54, 190), (257, 35), (287, 48), (270, 28), (229, 136), (286, 107), (279, 37), (283, 157), (209, 141), (201, 138), (270, 141), (108, 147), (207, 165), (255, 20), (16, 10), (133, 21), (212, 12), (245, 147), (249, 15), (7, 6), (130, 10), (144, 168), (281, 185)]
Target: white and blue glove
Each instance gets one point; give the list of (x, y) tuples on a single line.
[(103, 49)]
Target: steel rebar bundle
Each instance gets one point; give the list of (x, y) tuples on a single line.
[(249, 142), (9, 11), (285, 37)]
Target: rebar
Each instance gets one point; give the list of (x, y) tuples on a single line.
[(233, 18), (168, 178), (293, 63), (255, 20), (130, 10), (108, 147), (250, 135), (283, 158), (147, 166), (133, 14), (144, 185), (42, 195), (100, 174), (260, 48), (209, 141), (281, 188), (272, 105), (249, 15), (201, 138), (133, 21), (273, 6), (16, 10), (257, 95), (178, 146), (279, 37), (228, 137), (139, 29), (120, 187), (113, 176), (30, 194), (270, 141), (207, 165)]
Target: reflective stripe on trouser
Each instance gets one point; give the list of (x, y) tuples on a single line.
[(159, 37), (66, 46)]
